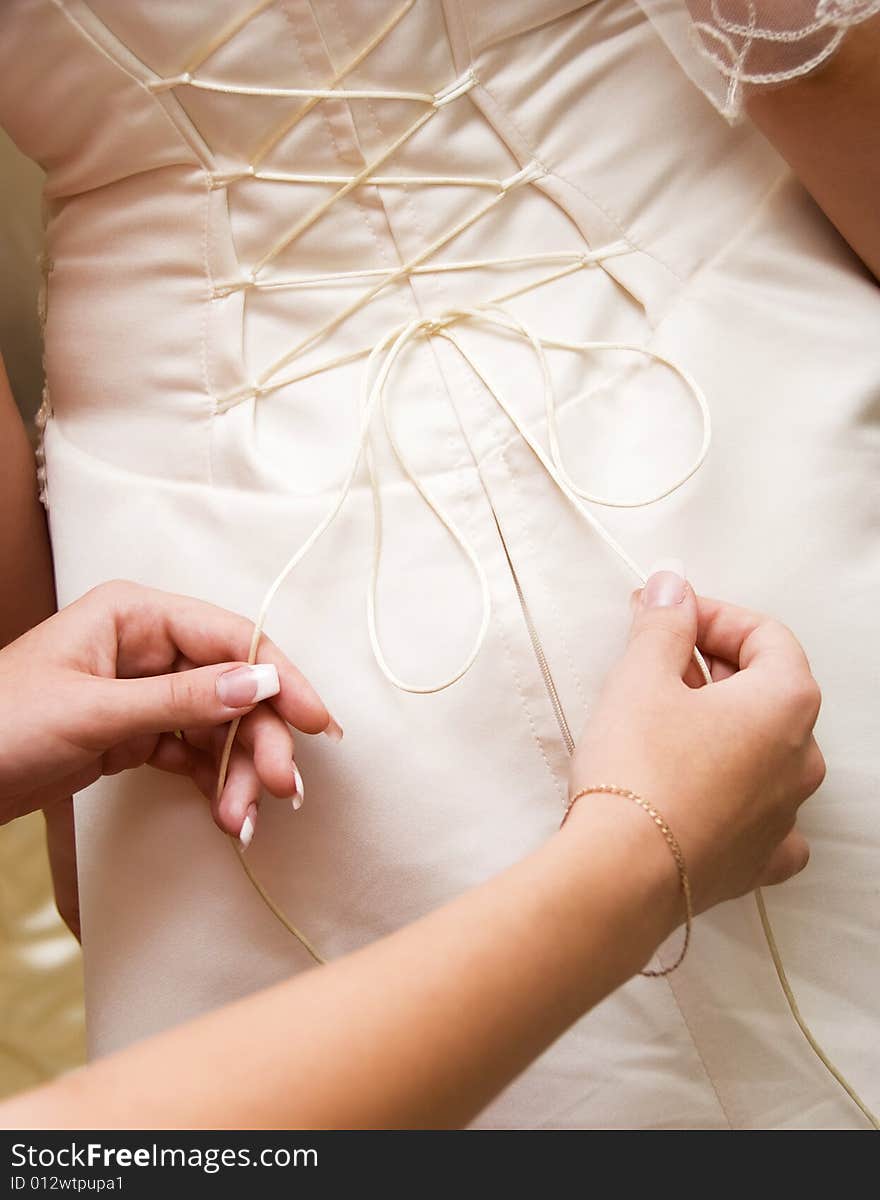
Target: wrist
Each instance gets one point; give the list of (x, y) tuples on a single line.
[(619, 840)]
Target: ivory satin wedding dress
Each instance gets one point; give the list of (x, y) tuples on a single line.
[(234, 258)]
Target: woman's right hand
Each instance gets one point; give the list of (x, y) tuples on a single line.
[(103, 685), (727, 765)]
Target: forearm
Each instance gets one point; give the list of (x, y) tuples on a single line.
[(27, 592), (827, 126), (420, 1029)]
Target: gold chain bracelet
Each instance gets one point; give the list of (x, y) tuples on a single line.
[(671, 841)]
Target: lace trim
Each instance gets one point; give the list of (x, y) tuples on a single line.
[(761, 43)]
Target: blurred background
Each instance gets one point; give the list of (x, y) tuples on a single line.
[(41, 1001)]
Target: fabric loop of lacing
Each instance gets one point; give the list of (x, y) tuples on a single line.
[(374, 396)]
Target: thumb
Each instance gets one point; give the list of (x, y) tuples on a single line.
[(192, 699), (664, 628), (789, 857)]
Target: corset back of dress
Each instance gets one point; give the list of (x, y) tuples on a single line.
[(182, 221), (252, 207)]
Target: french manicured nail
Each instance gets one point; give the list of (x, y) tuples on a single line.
[(300, 794), (334, 730), (248, 685), (248, 825), (665, 585)]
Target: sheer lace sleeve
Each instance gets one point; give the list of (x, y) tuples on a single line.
[(731, 46)]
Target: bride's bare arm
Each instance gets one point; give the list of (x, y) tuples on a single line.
[(27, 596), (27, 590), (827, 126), (419, 1030)]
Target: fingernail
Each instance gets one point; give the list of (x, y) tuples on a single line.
[(334, 730), (246, 833), (248, 685), (665, 585), (300, 794)]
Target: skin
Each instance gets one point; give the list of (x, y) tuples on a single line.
[(825, 123), (103, 685), (27, 595), (424, 1027), (826, 127)]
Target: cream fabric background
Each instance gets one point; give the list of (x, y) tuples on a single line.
[(41, 1004), (730, 269)]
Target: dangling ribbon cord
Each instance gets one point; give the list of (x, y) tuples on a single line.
[(373, 397)]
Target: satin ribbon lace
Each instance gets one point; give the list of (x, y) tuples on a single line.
[(380, 360)]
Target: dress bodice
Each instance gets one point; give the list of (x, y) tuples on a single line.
[(191, 196)]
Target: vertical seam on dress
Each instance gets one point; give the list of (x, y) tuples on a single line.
[(698, 1051), (340, 25), (363, 212), (465, 498), (521, 510), (617, 222), (536, 737), (667, 980), (207, 312), (508, 649), (524, 704), (466, 501)]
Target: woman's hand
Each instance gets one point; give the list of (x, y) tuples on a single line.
[(728, 765), (105, 683), (423, 1027)]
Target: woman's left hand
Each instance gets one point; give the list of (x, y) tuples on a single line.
[(106, 684)]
